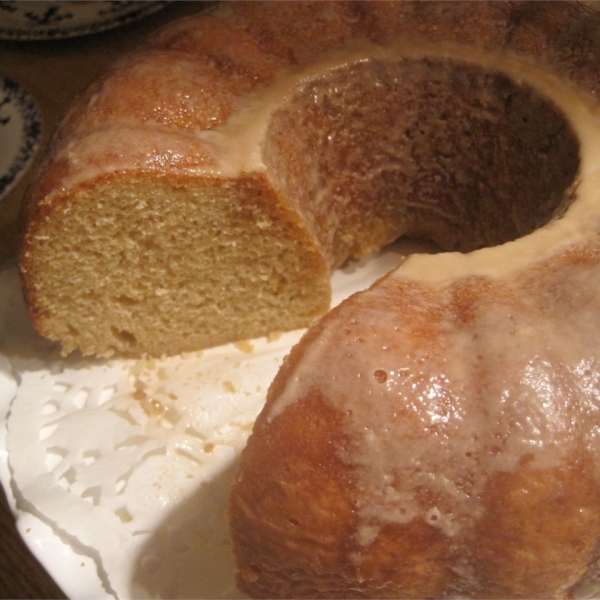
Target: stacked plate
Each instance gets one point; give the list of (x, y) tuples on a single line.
[(53, 20), (20, 133)]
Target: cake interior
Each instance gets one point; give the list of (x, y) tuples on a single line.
[(434, 149), (366, 153), (154, 256)]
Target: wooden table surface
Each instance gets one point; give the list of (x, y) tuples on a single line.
[(54, 72)]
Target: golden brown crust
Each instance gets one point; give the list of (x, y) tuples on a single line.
[(310, 504), (294, 520)]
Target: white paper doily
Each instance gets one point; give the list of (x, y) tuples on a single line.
[(120, 470)]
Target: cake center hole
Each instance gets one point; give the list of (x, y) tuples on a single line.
[(438, 150)]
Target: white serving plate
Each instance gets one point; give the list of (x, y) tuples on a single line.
[(20, 133), (32, 20), (121, 468)]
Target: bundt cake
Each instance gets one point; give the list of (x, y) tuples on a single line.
[(435, 435)]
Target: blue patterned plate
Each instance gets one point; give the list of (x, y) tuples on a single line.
[(54, 20), (20, 133)]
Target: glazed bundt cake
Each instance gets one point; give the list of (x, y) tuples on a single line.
[(435, 435)]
